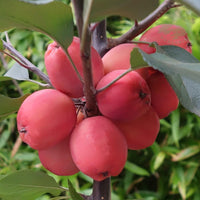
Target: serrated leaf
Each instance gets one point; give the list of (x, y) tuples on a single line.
[(192, 4), (182, 71), (186, 153), (27, 184), (132, 9), (136, 169), (52, 18), (74, 195), (17, 72), (10, 105)]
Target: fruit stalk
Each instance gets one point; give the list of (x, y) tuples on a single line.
[(102, 188)]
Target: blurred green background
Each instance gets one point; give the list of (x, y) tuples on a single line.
[(167, 170)]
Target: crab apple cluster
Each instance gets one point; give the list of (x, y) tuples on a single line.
[(50, 122), (137, 101), (130, 107)]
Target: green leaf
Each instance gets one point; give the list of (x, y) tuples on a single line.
[(136, 169), (17, 72), (182, 71), (3, 78), (158, 161), (192, 4), (132, 9), (27, 184), (1, 45), (52, 18), (175, 122), (10, 105), (74, 195), (136, 59), (186, 153)]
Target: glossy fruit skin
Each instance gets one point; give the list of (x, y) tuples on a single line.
[(118, 57), (98, 148), (141, 132), (165, 34), (126, 99), (57, 159), (61, 72), (163, 98), (45, 118)]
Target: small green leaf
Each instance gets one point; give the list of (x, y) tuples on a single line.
[(186, 153), (27, 184), (175, 125), (159, 159), (17, 72), (52, 18), (10, 105), (136, 169), (192, 4), (74, 195), (136, 59), (132, 9)]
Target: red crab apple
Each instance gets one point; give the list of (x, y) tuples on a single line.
[(118, 57), (165, 34), (141, 132), (98, 148), (163, 98), (126, 99), (61, 72), (57, 159), (45, 118)]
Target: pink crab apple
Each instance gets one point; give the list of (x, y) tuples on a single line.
[(118, 57), (57, 159), (165, 34), (61, 72), (45, 118), (163, 98), (126, 99), (140, 133), (98, 148)]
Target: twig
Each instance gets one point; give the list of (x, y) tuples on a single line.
[(26, 62), (144, 24), (85, 36)]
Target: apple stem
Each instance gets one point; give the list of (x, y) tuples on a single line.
[(116, 79)]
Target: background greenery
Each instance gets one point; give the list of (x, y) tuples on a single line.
[(167, 170)]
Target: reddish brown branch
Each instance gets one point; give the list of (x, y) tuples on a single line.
[(144, 24)]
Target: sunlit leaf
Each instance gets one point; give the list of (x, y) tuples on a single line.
[(136, 169), (52, 18), (17, 72), (186, 153), (27, 184)]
